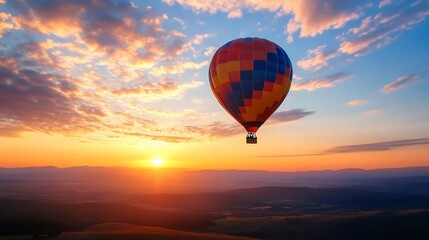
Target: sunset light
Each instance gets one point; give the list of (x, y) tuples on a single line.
[(157, 162)]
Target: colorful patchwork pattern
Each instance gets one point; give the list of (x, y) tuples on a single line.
[(250, 78)]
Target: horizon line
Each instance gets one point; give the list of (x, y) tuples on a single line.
[(209, 169)]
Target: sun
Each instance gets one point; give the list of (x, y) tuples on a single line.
[(156, 162)]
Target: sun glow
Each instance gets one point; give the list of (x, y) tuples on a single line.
[(156, 163)]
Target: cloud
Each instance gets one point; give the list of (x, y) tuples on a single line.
[(384, 3), (158, 90), (133, 5), (6, 23), (162, 138), (180, 21), (34, 55), (260, 27), (221, 129), (177, 68), (290, 29), (312, 17), (215, 129), (354, 103), (197, 101), (235, 14), (367, 147), (69, 72), (372, 112), (315, 17), (378, 146), (288, 116), (195, 41), (160, 112), (378, 31), (400, 82), (33, 101), (316, 59), (320, 82), (209, 51)]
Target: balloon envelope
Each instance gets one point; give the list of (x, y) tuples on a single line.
[(250, 77)]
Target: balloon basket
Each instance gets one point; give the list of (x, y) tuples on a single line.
[(251, 138)]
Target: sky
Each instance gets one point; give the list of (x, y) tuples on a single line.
[(121, 83)]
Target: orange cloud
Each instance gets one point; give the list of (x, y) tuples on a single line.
[(51, 17), (149, 91), (162, 138), (316, 59), (117, 35), (400, 82), (315, 17), (235, 14), (356, 103), (290, 29), (6, 23)]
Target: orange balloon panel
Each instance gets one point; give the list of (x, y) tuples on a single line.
[(250, 78)]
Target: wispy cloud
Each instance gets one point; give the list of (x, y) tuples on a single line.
[(372, 112), (320, 82), (177, 68), (384, 3), (290, 29), (209, 51), (221, 129), (181, 22), (366, 147), (150, 91), (316, 59), (378, 146), (163, 138), (215, 129), (400, 82), (383, 28), (6, 23), (288, 116), (354, 103), (236, 13)]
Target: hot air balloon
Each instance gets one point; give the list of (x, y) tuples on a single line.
[(250, 78)]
